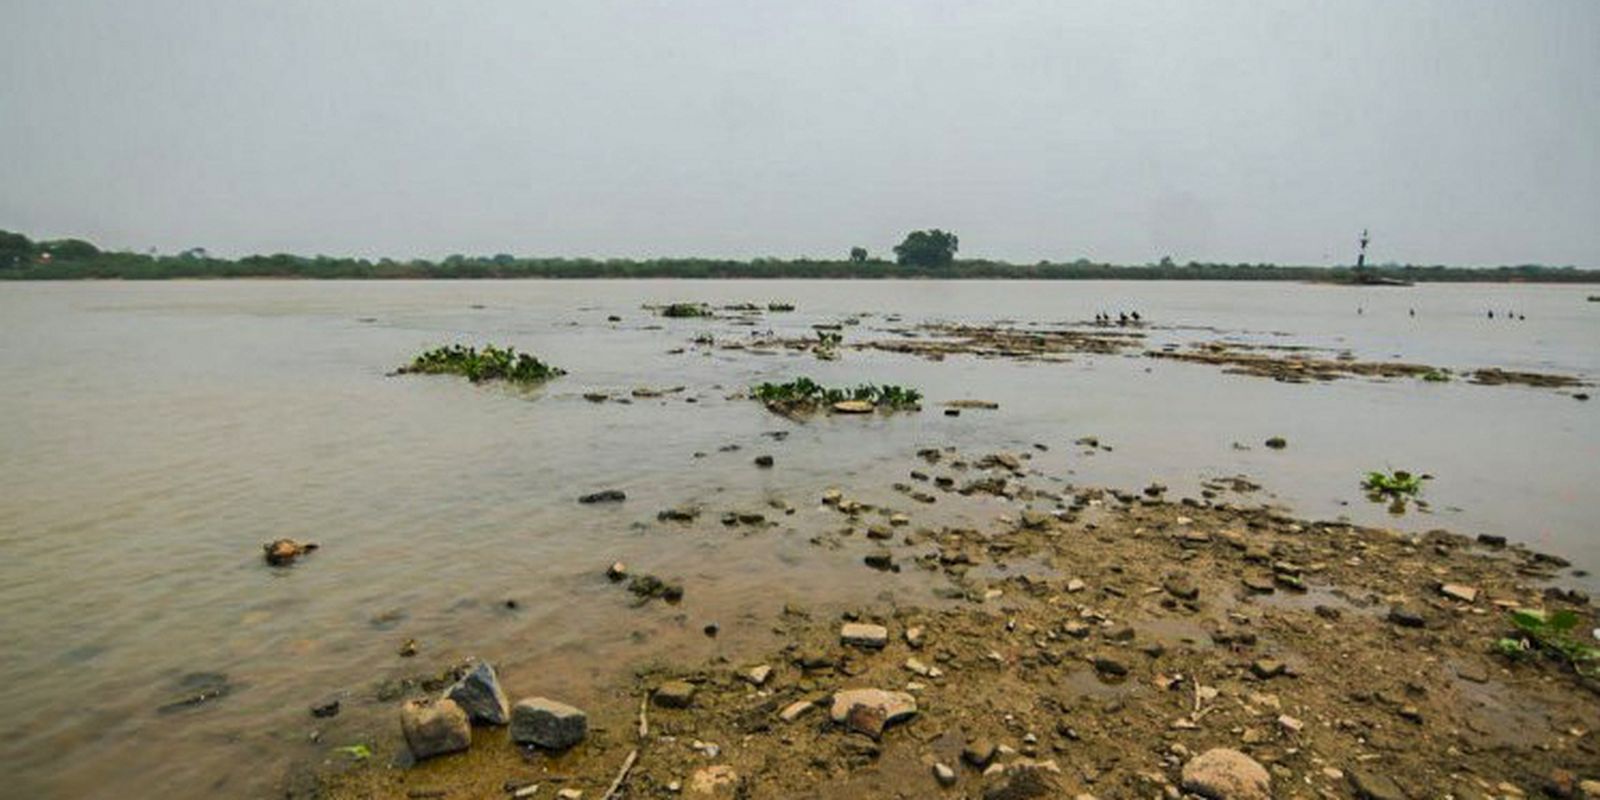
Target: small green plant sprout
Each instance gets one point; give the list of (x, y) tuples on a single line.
[(803, 395), (489, 364), (1396, 484), (1554, 635), (358, 752), (685, 310), (1437, 376)]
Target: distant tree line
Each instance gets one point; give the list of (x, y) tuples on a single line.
[(929, 256)]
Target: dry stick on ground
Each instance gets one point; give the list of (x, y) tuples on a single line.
[(627, 764)]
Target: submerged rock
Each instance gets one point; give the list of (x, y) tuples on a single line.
[(1226, 774), (283, 552), (479, 694), (434, 727), (604, 496), (547, 723)]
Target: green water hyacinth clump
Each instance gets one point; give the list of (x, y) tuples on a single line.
[(489, 364), (803, 394), (1398, 483)]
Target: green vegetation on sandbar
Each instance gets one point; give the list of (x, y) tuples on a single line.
[(804, 394), (928, 255), (490, 364), (1437, 376), (684, 310), (1553, 635), (1398, 483)]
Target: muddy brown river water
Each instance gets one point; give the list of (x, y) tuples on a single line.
[(152, 436)]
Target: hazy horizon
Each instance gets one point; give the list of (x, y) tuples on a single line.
[(1459, 132)]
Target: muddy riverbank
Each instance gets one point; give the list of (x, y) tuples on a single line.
[(1087, 642)]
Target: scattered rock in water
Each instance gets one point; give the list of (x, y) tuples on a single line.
[(914, 636), (547, 723), (1456, 591), (870, 711), (952, 412), (757, 675), (1112, 666), (434, 727), (479, 694), (983, 404), (1267, 668), (1025, 780), (596, 397), (764, 461), (283, 552), (1181, 586), (617, 571), (1369, 785), (680, 514), (711, 630), (859, 634), (674, 694), (323, 709), (795, 710), (1036, 519), (944, 774), (408, 648), (604, 496), (1259, 585), (879, 559), (979, 753), (647, 587), (1277, 443), (1408, 616), (198, 688), (1226, 774)]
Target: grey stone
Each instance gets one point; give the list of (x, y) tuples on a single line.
[(547, 723), (479, 694), (1226, 774), (434, 727), (864, 635)]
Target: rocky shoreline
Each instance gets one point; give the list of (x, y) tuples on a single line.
[(1090, 643)]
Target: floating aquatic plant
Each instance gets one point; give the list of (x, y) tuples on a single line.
[(489, 364), (1396, 484), (804, 394)]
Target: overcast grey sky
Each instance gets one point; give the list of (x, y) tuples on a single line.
[(1459, 131)]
